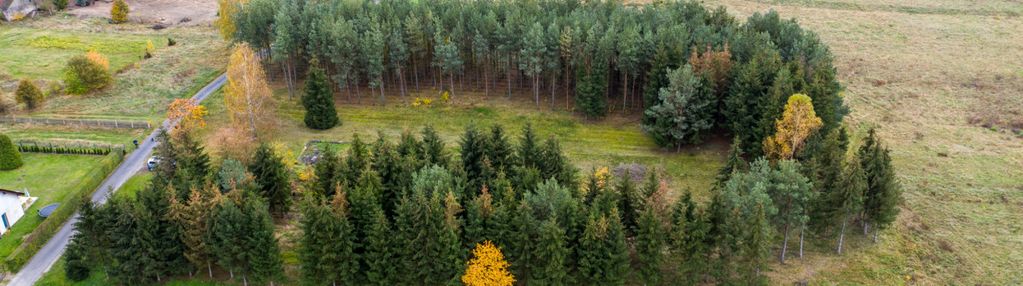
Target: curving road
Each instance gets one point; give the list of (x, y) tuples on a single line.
[(54, 248)]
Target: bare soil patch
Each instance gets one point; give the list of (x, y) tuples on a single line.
[(165, 12)]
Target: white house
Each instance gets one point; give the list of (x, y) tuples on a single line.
[(12, 208)]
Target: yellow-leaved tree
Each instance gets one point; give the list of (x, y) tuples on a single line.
[(248, 98), (225, 23), (797, 123), (119, 12), (191, 114), (487, 267)]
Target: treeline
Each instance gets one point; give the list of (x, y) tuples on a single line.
[(410, 211), (601, 55)]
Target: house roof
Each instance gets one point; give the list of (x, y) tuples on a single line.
[(2, 190)]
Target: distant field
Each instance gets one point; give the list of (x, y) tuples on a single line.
[(71, 135), (141, 92), (42, 54), (49, 177), (943, 80)]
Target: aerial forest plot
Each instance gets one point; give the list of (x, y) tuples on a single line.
[(553, 142)]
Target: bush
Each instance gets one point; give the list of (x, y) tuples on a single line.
[(86, 73), (7, 104), (119, 12), (10, 158), (29, 94), (149, 50), (60, 4)]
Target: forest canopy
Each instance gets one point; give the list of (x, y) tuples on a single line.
[(594, 57)]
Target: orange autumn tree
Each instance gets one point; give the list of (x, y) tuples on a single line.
[(487, 267), (247, 96), (797, 123), (189, 112)]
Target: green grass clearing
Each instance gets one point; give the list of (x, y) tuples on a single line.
[(42, 54), (49, 177)]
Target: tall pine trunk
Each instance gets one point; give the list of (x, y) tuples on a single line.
[(415, 73), (209, 268), (841, 235), (486, 80), (536, 90), (784, 243), (451, 79), (801, 232)]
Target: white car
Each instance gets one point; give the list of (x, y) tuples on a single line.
[(152, 162)]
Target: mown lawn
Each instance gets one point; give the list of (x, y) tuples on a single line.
[(55, 277), (49, 177), (71, 135), (42, 53)]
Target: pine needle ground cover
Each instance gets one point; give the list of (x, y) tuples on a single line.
[(51, 178), (923, 70)]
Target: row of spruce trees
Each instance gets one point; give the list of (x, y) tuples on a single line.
[(688, 69), (409, 212)]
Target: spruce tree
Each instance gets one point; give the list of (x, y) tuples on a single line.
[(228, 231), (883, 193), (394, 177), (630, 202), (474, 149), (650, 244), (76, 263), (272, 179), (263, 252), (500, 151), (327, 170), (356, 161), (318, 101), (603, 254), (10, 157), (434, 152), (550, 255), (379, 252), (848, 199)]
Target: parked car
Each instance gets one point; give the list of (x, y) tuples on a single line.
[(152, 162)]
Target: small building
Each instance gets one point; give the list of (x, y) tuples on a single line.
[(12, 207)]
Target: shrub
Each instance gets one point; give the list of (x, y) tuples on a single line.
[(10, 158), (171, 42), (149, 49), (119, 12), (29, 94), (60, 4), (86, 73), (7, 104)]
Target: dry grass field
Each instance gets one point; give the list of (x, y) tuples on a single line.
[(944, 81)]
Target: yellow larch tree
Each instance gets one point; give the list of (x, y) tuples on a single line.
[(487, 267), (797, 123), (189, 112), (248, 97)]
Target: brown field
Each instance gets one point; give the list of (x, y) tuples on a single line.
[(943, 79)]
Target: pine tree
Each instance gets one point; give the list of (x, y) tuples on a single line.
[(684, 111), (487, 267), (883, 193), (272, 178), (791, 193), (318, 101), (734, 163), (233, 174)]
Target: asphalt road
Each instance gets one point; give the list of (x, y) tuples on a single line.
[(133, 163)]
